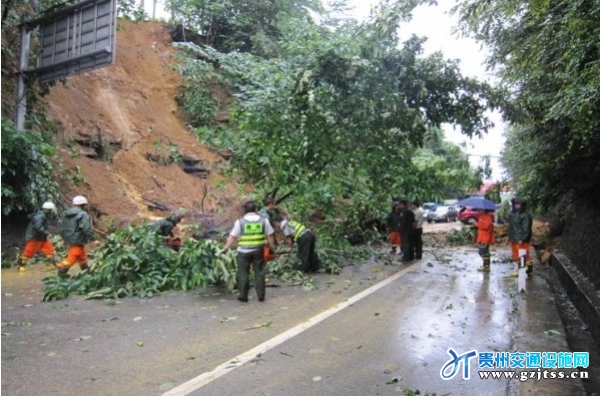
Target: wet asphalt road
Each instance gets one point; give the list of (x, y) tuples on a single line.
[(400, 332), (148, 346)]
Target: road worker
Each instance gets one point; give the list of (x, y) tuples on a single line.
[(251, 232), (485, 237), (76, 232), (36, 236), (295, 232), (393, 224), (165, 228), (519, 234)]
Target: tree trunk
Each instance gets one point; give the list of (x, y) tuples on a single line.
[(5, 7)]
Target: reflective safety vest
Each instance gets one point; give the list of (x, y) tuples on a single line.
[(253, 233), (298, 229)]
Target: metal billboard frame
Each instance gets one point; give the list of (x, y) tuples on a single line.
[(73, 38)]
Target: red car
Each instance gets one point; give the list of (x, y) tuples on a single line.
[(469, 215)]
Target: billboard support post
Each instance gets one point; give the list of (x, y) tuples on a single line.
[(21, 108)]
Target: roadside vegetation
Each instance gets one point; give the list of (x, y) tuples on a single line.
[(547, 59), (340, 113)]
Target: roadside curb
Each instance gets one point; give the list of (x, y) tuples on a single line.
[(580, 291), (538, 328)]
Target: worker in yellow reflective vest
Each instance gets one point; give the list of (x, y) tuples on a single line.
[(295, 232), (251, 233)]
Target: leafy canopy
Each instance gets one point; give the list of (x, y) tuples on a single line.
[(341, 113), (238, 25), (27, 170), (547, 57)]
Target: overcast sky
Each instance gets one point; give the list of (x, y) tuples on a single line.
[(436, 23)]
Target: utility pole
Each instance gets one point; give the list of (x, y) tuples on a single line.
[(21, 108)]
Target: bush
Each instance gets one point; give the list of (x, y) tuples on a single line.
[(27, 170), (464, 236), (504, 212)]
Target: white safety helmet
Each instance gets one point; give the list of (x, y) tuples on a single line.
[(48, 205), (79, 200)]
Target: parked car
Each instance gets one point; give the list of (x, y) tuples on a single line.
[(469, 215), (428, 207), (442, 213)]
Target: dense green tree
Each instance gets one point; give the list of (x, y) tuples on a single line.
[(242, 25), (27, 170), (445, 169), (547, 56), (341, 113)]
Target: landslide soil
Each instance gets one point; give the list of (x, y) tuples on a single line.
[(113, 119)]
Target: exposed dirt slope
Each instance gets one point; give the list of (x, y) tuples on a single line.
[(110, 121)]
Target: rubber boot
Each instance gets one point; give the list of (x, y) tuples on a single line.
[(22, 261), (62, 272), (486, 265), (529, 270), (516, 273)]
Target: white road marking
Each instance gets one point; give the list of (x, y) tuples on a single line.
[(227, 367)]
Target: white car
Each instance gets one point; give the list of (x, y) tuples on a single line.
[(442, 213), (427, 207)]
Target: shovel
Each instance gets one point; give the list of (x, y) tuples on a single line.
[(522, 271)]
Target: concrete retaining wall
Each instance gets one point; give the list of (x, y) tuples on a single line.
[(584, 295), (581, 237)]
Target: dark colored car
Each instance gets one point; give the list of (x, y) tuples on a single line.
[(442, 213), (469, 215)]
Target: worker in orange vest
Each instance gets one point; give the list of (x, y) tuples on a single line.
[(485, 237)]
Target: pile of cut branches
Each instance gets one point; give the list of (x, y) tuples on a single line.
[(462, 237), (136, 262)]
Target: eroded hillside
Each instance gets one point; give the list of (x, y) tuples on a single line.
[(120, 130)]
